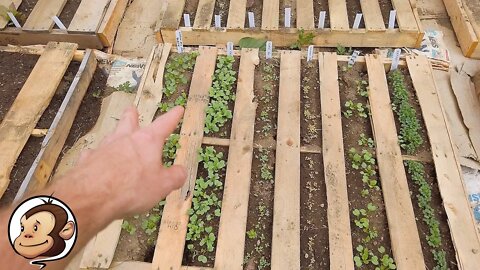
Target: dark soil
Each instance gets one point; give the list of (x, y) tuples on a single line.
[(257, 8), (68, 12), (14, 71), (353, 8), (321, 5), (221, 8), (310, 104), (33, 146), (423, 229), (191, 8), (288, 4), (189, 258), (25, 9), (386, 6), (352, 128)]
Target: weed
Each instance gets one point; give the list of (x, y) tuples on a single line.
[(341, 50), (125, 87), (252, 234), (128, 227), (303, 40)]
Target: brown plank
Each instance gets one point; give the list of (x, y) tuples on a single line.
[(270, 14), (30, 104), (339, 231), (111, 21), (173, 14), (286, 213), (338, 15), (173, 229), (233, 221), (39, 174), (204, 16), (89, 16), (405, 16), (372, 15), (305, 18), (8, 5), (236, 14), (406, 246), (449, 174), (40, 19)]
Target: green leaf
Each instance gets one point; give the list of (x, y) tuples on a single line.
[(358, 261), (202, 258), (248, 42)]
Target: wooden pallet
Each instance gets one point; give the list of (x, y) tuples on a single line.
[(29, 105), (465, 18), (286, 249), (375, 34), (94, 25)]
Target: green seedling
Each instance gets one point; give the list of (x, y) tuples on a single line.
[(128, 227), (252, 234), (304, 39)]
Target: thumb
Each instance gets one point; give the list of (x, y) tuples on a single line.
[(176, 177)]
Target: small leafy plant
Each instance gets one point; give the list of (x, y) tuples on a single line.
[(359, 108), (304, 39)]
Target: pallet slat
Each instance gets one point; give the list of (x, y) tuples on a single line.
[(405, 16), (203, 19), (173, 14), (233, 221), (111, 21), (89, 16), (339, 230), (41, 17), (30, 104), (236, 14), (39, 174), (338, 15), (305, 18), (173, 228), (406, 246), (449, 174), (9, 4), (372, 15), (270, 14), (286, 213)]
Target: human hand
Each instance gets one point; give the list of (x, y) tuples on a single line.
[(127, 168)]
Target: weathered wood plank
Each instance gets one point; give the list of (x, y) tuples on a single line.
[(111, 21), (173, 229), (338, 15), (372, 15), (449, 175), (39, 174), (204, 16), (339, 231), (406, 246), (305, 18), (405, 17), (236, 14), (30, 104), (89, 16), (286, 213), (233, 221), (173, 14), (270, 14), (8, 5), (41, 17)]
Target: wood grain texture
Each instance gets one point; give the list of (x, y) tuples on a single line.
[(31, 102), (173, 14), (40, 19), (405, 17), (236, 14), (406, 246), (372, 15), (173, 228), (41, 170), (338, 15), (9, 5), (270, 14), (113, 16), (449, 174), (286, 213), (339, 231), (89, 16), (305, 18), (233, 221), (204, 15)]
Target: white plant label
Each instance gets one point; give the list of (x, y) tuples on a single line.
[(396, 59), (14, 20), (358, 20), (251, 19), (230, 48), (288, 17), (353, 58), (269, 50), (391, 21), (186, 19), (179, 37), (322, 18), (59, 23), (310, 53), (218, 21)]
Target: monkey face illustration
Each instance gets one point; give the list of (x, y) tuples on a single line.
[(44, 231)]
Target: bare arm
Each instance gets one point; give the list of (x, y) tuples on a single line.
[(123, 177)]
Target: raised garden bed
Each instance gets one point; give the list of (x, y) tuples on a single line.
[(269, 18), (32, 145), (89, 24), (314, 174)]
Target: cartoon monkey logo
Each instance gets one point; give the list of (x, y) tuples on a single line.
[(43, 228)]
